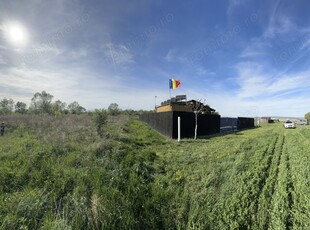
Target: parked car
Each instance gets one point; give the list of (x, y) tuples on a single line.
[(289, 124), (302, 122)]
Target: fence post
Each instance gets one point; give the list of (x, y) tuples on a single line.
[(179, 129)]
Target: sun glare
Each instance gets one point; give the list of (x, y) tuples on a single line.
[(16, 34)]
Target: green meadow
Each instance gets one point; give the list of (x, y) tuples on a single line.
[(58, 173)]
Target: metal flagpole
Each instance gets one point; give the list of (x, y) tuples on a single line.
[(169, 89)]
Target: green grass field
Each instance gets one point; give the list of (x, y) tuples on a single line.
[(63, 176)]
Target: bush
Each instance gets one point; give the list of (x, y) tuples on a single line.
[(100, 120)]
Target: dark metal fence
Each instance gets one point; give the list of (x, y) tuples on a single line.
[(245, 123), (233, 124), (228, 124), (162, 122), (167, 123)]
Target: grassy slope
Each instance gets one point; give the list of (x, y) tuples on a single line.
[(138, 179)]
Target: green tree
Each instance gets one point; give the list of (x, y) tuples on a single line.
[(20, 107), (113, 109), (129, 112), (6, 106), (75, 108), (59, 107), (100, 120), (307, 116), (41, 103)]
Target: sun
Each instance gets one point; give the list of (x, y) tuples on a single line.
[(16, 34)]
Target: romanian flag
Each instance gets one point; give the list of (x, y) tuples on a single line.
[(174, 84)]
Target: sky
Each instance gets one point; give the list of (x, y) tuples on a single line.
[(243, 57)]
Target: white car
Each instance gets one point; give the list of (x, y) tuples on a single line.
[(289, 124), (302, 122)]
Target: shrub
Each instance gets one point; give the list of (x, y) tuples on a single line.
[(100, 120)]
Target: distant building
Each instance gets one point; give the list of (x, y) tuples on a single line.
[(180, 104), (167, 116), (265, 120)]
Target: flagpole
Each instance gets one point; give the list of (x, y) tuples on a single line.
[(169, 89), (169, 93)]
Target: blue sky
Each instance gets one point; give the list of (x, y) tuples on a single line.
[(244, 57)]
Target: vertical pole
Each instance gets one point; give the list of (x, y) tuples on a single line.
[(232, 124), (179, 129), (170, 86)]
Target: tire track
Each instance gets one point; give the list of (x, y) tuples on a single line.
[(268, 183), (272, 157), (290, 189), (281, 216), (243, 204), (297, 180)]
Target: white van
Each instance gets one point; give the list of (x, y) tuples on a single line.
[(302, 122)]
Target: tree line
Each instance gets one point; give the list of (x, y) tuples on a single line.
[(42, 103)]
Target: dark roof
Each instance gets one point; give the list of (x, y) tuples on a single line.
[(205, 107), (174, 101)]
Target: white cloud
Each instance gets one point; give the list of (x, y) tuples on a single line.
[(233, 4), (303, 44), (291, 82), (39, 54), (3, 47), (257, 47), (260, 93), (174, 56), (35, 80), (2, 62), (232, 105), (279, 24), (118, 54), (170, 56), (126, 98), (79, 53), (90, 89), (202, 71), (255, 82)]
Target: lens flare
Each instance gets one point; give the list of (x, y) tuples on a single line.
[(16, 33)]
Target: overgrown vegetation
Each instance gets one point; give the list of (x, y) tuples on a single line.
[(61, 173)]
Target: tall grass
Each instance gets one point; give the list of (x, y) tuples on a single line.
[(58, 173)]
